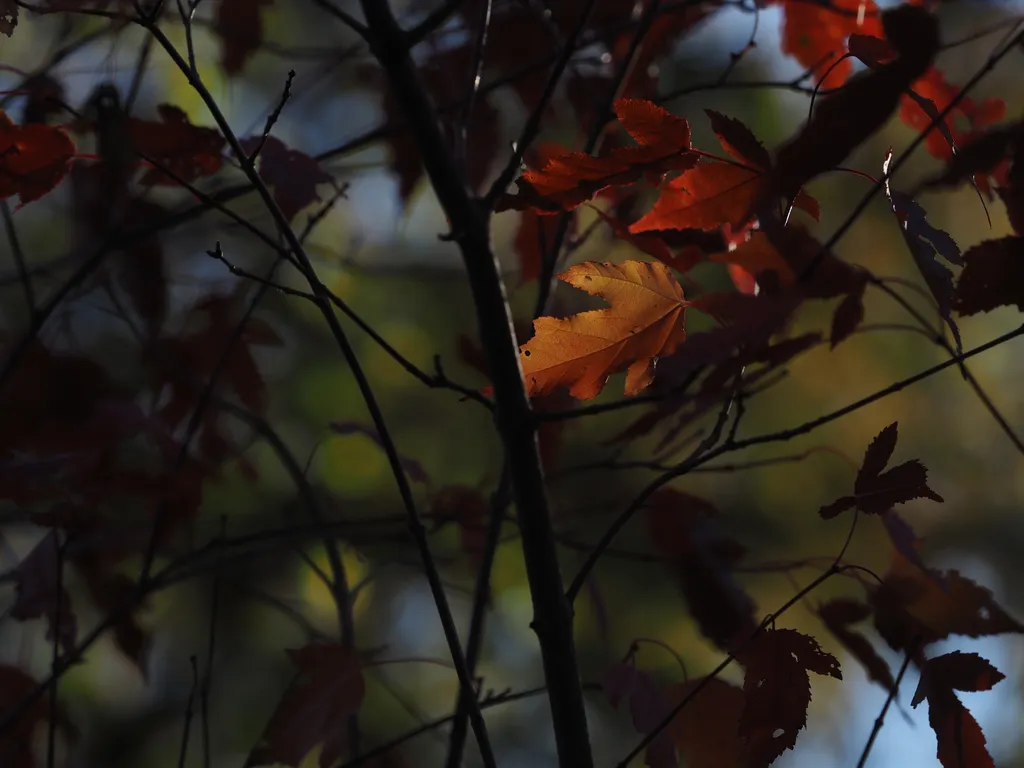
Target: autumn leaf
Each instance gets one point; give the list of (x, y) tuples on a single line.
[(718, 193), (644, 322), (239, 25), (292, 174), (913, 607), (838, 615), (653, 245), (469, 510), (816, 35), (993, 277), (933, 87), (37, 594), (682, 527), (570, 179), (925, 242), (648, 707), (844, 120), (8, 17), (848, 316), (875, 491), (313, 711), (960, 739), (984, 158), (34, 159), (777, 689), (19, 737), (188, 151), (707, 730)]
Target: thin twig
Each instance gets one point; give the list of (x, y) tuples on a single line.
[(880, 720)]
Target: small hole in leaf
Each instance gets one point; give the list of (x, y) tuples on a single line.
[(587, 277), (778, 732), (527, 353), (983, 613)]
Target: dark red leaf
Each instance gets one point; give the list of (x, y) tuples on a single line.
[(682, 527), (570, 179), (845, 119), (838, 615), (875, 491), (37, 595), (993, 277), (292, 174), (188, 151), (8, 17), (239, 25), (960, 740), (648, 706), (314, 710), (34, 159), (777, 688), (707, 730)]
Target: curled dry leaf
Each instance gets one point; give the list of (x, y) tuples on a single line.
[(644, 322)]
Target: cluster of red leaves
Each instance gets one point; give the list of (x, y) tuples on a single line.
[(913, 607)]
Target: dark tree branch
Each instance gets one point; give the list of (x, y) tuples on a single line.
[(469, 221)]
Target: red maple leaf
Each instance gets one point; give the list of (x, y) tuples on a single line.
[(648, 707), (18, 738), (960, 740), (569, 179), (815, 35), (934, 87), (188, 151), (34, 159), (877, 491), (707, 730), (314, 710), (716, 193), (37, 594), (838, 615), (844, 120), (294, 175), (914, 607), (683, 528), (777, 688), (239, 25)]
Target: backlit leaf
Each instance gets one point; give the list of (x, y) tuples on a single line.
[(645, 321)]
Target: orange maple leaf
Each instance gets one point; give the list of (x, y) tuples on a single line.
[(569, 179), (644, 322), (33, 159)]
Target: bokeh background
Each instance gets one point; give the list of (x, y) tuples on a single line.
[(382, 255)]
